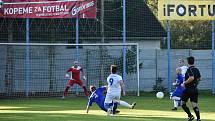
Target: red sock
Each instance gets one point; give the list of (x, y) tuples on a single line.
[(85, 91), (65, 91)]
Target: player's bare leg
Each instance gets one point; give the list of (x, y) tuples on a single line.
[(70, 84), (65, 91), (176, 102), (125, 104), (80, 83), (85, 91)]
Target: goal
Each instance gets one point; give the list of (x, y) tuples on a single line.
[(38, 70)]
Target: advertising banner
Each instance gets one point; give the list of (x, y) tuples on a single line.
[(186, 9), (48, 8)]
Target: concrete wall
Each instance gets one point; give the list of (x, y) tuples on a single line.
[(147, 43)]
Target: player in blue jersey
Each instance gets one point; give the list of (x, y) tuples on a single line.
[(177, 94), (98, 97)]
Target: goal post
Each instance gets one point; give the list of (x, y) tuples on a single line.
[(38, 69)]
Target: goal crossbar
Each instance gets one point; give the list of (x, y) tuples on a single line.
[(67, 44)]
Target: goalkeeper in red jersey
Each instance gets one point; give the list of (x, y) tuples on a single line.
[(75, 72)]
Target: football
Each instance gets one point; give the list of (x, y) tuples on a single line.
[(160, 95)]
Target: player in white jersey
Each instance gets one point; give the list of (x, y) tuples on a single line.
[(115, 87), (183, 67)]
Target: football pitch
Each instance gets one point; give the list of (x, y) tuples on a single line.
[(148, 108)]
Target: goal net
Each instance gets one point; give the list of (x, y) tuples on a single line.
[(38, 70)]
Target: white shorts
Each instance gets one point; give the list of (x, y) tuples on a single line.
[(111, 97)]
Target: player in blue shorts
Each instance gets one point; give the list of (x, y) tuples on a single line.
[(98, 97), (177, 94)]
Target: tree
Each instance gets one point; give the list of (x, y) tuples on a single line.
[(191, 34)]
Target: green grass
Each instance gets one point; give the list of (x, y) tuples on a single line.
[(73, 109)]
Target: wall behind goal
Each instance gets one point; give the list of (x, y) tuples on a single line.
[(49, 64)]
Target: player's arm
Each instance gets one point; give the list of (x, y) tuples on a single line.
[(103, 88), (87, 109), (67, 73), (82, 71), (174, 82), (191, 77), (106, 86), (122, 87), (179, 81), (69, 70), (199, 77), (89, 104)]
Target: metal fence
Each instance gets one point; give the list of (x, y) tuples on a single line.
[(119, 21)]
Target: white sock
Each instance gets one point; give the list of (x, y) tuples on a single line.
[(176, 98), (125, 104), (110, 110), (111, 107), (175, 103), (178, 102)]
